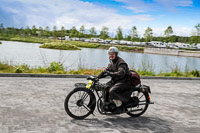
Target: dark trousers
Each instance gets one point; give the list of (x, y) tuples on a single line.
[(118, 91)]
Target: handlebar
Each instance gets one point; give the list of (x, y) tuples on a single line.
[(95, 79)]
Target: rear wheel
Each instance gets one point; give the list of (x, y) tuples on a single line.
[(80, 103), (136, 111)]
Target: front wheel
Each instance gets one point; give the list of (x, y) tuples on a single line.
[(80, 103)]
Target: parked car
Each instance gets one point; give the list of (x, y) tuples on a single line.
[(143, 43), (73, 39), (114, 42), (182, 45), (77, 39), (198, 46), (137, 43), (122, 42), (82, 39), (87, 40), (101, 41), (107, 41), (171, 45), (157, 44), (129, 42), (51, 37), (94, 40)]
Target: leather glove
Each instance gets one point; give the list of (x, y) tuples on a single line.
[(109, 73), (96, 79)]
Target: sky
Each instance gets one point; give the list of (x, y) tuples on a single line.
[(182, 15)]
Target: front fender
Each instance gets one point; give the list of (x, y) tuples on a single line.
[(80, 84)]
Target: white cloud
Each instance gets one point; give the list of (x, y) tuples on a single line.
[(183, 31), (70, 13), (172, 4), (144, 6), (137, 6)]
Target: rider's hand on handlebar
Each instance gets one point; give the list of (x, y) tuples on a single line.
[(96, 79), (108, 73)]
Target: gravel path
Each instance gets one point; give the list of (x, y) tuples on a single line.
[(35, 105)]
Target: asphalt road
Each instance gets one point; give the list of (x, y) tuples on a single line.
[(35, 105)]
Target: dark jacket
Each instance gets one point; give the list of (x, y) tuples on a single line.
[(119, 71)]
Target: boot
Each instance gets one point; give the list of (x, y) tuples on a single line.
[(119, 110)]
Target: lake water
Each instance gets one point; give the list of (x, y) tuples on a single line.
[(31, 54)]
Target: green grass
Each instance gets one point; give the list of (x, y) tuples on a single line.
[(59, 45), (128, 48), (84, 44), (58, 68), (28, 39), (0, 42)]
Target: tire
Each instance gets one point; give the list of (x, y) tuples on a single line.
[(144, 110), (91, 104)]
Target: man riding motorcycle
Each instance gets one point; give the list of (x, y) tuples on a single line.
[(119, 89)]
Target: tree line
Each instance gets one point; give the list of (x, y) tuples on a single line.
[(103, 34)]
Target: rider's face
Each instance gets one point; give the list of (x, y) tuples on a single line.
[(112, 56)]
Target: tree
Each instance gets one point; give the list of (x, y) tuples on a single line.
[(148, 34), (47, 31), (40, 31), (169, 31), (27, 31), (55, 31), (82, 31), (197, 27), (128, 38), (63, 31), (1, 28), (134, 33), (104, 32), (173, 38), (20, 31), (73, 32), (119, 35), (93, 31), (34, 30)]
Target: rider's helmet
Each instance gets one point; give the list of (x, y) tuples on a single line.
[(113, 50)]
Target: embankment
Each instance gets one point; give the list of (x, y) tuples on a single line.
[(174, 52)]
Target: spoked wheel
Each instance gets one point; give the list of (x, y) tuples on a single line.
[(80, 103), (136, 111)]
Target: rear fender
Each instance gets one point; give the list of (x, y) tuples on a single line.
[(145, 89)]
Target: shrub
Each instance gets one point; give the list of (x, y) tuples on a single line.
[(195, 73), (55, 66), (4, 66), (18, 70)]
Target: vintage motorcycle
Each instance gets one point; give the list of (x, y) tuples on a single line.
[(81, 101)]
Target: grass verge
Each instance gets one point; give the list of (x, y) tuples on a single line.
[(58, 68)]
